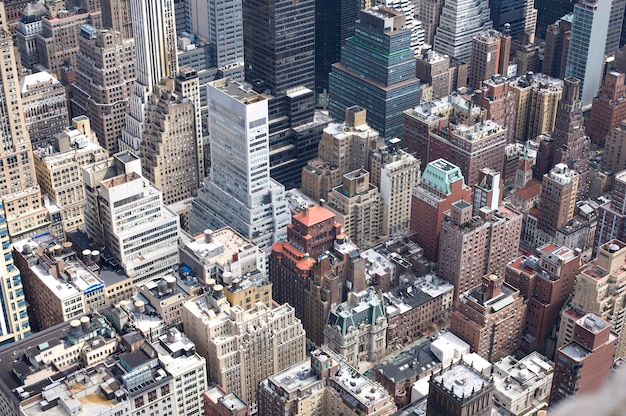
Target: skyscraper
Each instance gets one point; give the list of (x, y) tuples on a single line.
[(595, 33), (490, 56), (558, 199), (154, 31), (376, 72), (460, 21), (608, 111), (415, 26), (516, 16), (239, 191), (116, 15), (19, 192), (612, 214)]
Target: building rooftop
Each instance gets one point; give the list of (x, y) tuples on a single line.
[(313, 215), (36, 79), (410, 364), (462, 381), (513, 377), (240, 91)]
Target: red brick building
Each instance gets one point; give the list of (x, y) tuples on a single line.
[(608, 108)]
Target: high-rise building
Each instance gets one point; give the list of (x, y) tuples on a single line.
[(460, 21), (125, 214), (612, 214), (597, 291), (154, 31), (230, 337), (557, 44), (434, 69), (607, 112), (550, 11), (59, 175), (489, 56), (515, 16), (546, 281), (499, 101), (385, 84), (558, 199), (477, 245), (415, 26), (334, 23), (44, 101), (490, 318), (116, 15), (28, 28), (473, 396), (583, 365), (19, 192), (239, 191), (312, 232), (169, 151), (571, 145), (429, 12), (57, 44), (536, 98), (104, 80), (440, 186), (395, 173), (344, 147), (595, 32)]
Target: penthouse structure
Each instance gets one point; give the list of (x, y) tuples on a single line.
[(326, 384), (45, 107), (490, 318), (441, 185), (476, 245), (228, 336)]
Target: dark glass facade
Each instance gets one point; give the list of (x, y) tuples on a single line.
[(376, 72)]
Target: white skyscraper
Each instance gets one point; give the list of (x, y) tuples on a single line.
[(154, 30), (595, 27), (460, 21), (239, 191)]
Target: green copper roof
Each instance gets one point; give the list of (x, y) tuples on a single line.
[(440, 173)]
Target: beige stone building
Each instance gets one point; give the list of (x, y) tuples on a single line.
[(242, 348), (59, 174), (104, 80)]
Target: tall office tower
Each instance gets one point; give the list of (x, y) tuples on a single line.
[(221, 23), (585, 363), (613, 159), (429, 13), (58, 166), (571, 144), (440, 186), (460, 21), (104, 80), (239, 191), (154, 31), (312, 232), (490, 318), (116, 15), (514, 16), (550, 11), (125, 214), (474, 396), (594, 34), (608, 110), (44, 101), (557, 44), (536, 98), (169, 151), (598, 291), (344, 333), (495, 97), (57, 44), (558, 199), (13, 9), (395, 173), (182, 10), (28, 28), (415, 26), (19, 192), (357, 205), (434, 69), (277, 51), (344, 147), (546, 281), (384, 85), (334, 23), (489, 56), (476, 245), (612, 214), (229, 338)]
